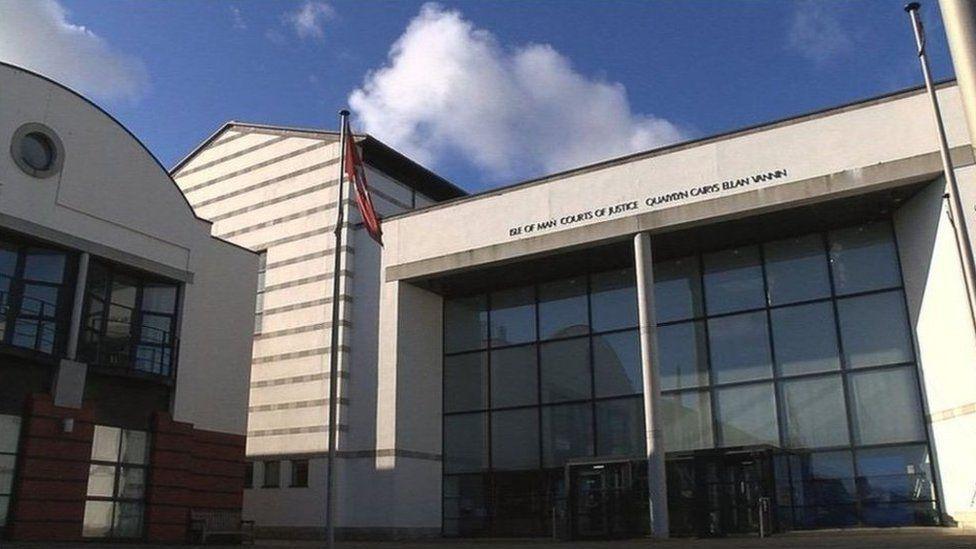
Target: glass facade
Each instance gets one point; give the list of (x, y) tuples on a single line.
[(801, 344)]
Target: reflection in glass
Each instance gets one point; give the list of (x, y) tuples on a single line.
[(43, 265), (128, 519), (465, 323), (901, 473), (617, 365), (98, 519), (814, 412), (733, 280), (613, 300), (885, 406), (677, 289), (105, 446), (562, 308), (805, 339), (135, 446), (565, 370), (682, 356), (161, 298), (824, 478), (101, 481), (620, 427), (739, 347), (513, 316), (515, 439), (567, 432), (465, 382), (746, 415), (514, 377), (796, 269), (132, 482), (687, 421), (864, 258), (7, 462), (465, 440), (874, 329)]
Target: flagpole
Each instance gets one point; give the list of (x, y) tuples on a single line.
[(963, 244), (330, 502)]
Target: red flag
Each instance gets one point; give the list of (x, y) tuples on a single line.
[(356, 173)]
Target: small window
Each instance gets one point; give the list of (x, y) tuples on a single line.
[(249, 474), (259, 301), (299, 473), (37, 150), (272, 474)]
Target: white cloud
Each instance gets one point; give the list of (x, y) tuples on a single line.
[(816, 32), (237, 19), (308, 21), (37, 35), (450, 88)]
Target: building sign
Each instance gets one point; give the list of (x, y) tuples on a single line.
[(649, 203)]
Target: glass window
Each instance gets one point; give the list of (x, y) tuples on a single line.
[(9, 439), (249, 474), (864, 258), (814, 413), (885, 406), (617, 364), (681, 352), (116, 483), (746, 415), (465, 382), (614, 300), (98, 519), (43, 265), (513, 316), (895, 474), (105, 445), (620, 427), (32, 296), (805, 339), (566, 370), (824, 478), (567, 432), (465, 324), (299, 473), (465, 443), (514, 377), (563, 309), (874, 329), (37, 151), (739, 347), (272, 474), (734, 280), (677, 289), (687, 421), (515, 439), (9, 433), (796, 269)]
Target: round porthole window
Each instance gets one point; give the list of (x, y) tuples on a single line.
[(37, 150)]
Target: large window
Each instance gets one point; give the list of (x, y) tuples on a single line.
[(801, 344), (130, 321), (34, 297), (9, 439), (116, 483)]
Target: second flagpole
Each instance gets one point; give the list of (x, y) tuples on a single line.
[(330, 502)]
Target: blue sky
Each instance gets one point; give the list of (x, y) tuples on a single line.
[(483, 92)]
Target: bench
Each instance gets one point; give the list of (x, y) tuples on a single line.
[(220, 523)]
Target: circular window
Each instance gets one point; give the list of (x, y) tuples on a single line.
[(37, 150)]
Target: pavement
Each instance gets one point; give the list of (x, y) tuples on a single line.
[(890, 538)]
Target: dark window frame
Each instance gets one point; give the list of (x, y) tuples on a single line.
[(116, 499), (299, 473), (265, 477)]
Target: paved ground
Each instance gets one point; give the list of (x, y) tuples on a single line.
[(901, 538)]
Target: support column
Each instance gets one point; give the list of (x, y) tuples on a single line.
[(959, 17), (657, 490), (69, 379)]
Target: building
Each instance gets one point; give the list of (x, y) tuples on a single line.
[(812, 337), (273, 190), (125, 348)]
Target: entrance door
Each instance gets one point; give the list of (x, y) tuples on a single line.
[(734, 485), (604, 501), (590, 505)]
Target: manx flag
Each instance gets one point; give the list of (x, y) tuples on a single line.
[(356, 173)]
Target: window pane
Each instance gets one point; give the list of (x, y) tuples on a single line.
[(677, 289), (128, 520), (101, 481), (135, 447), (515, 439), (805, 339), (620, 427), (159, 298), (814, 412), (733, 280), (682, 355), (4, 507), (7, 463), (465, 324), (613, 300), (747, 415), (123, 291), (44, 265), (272, 474), (465, 443), (823, 478), (514, 377), (132, 483), (299, 473), (617, 364), (562, 308), (796, 269), (513, 316), (900, 514), (567, 432), (864, 258), (156, 329), (740, 347), (566, 370), (874, 329), (105, 446), (39, 300), (9, 433), (687, 421), (885, 406), (8, 259), (896, 474), (97, 282), (98, 519), (465, 382)]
